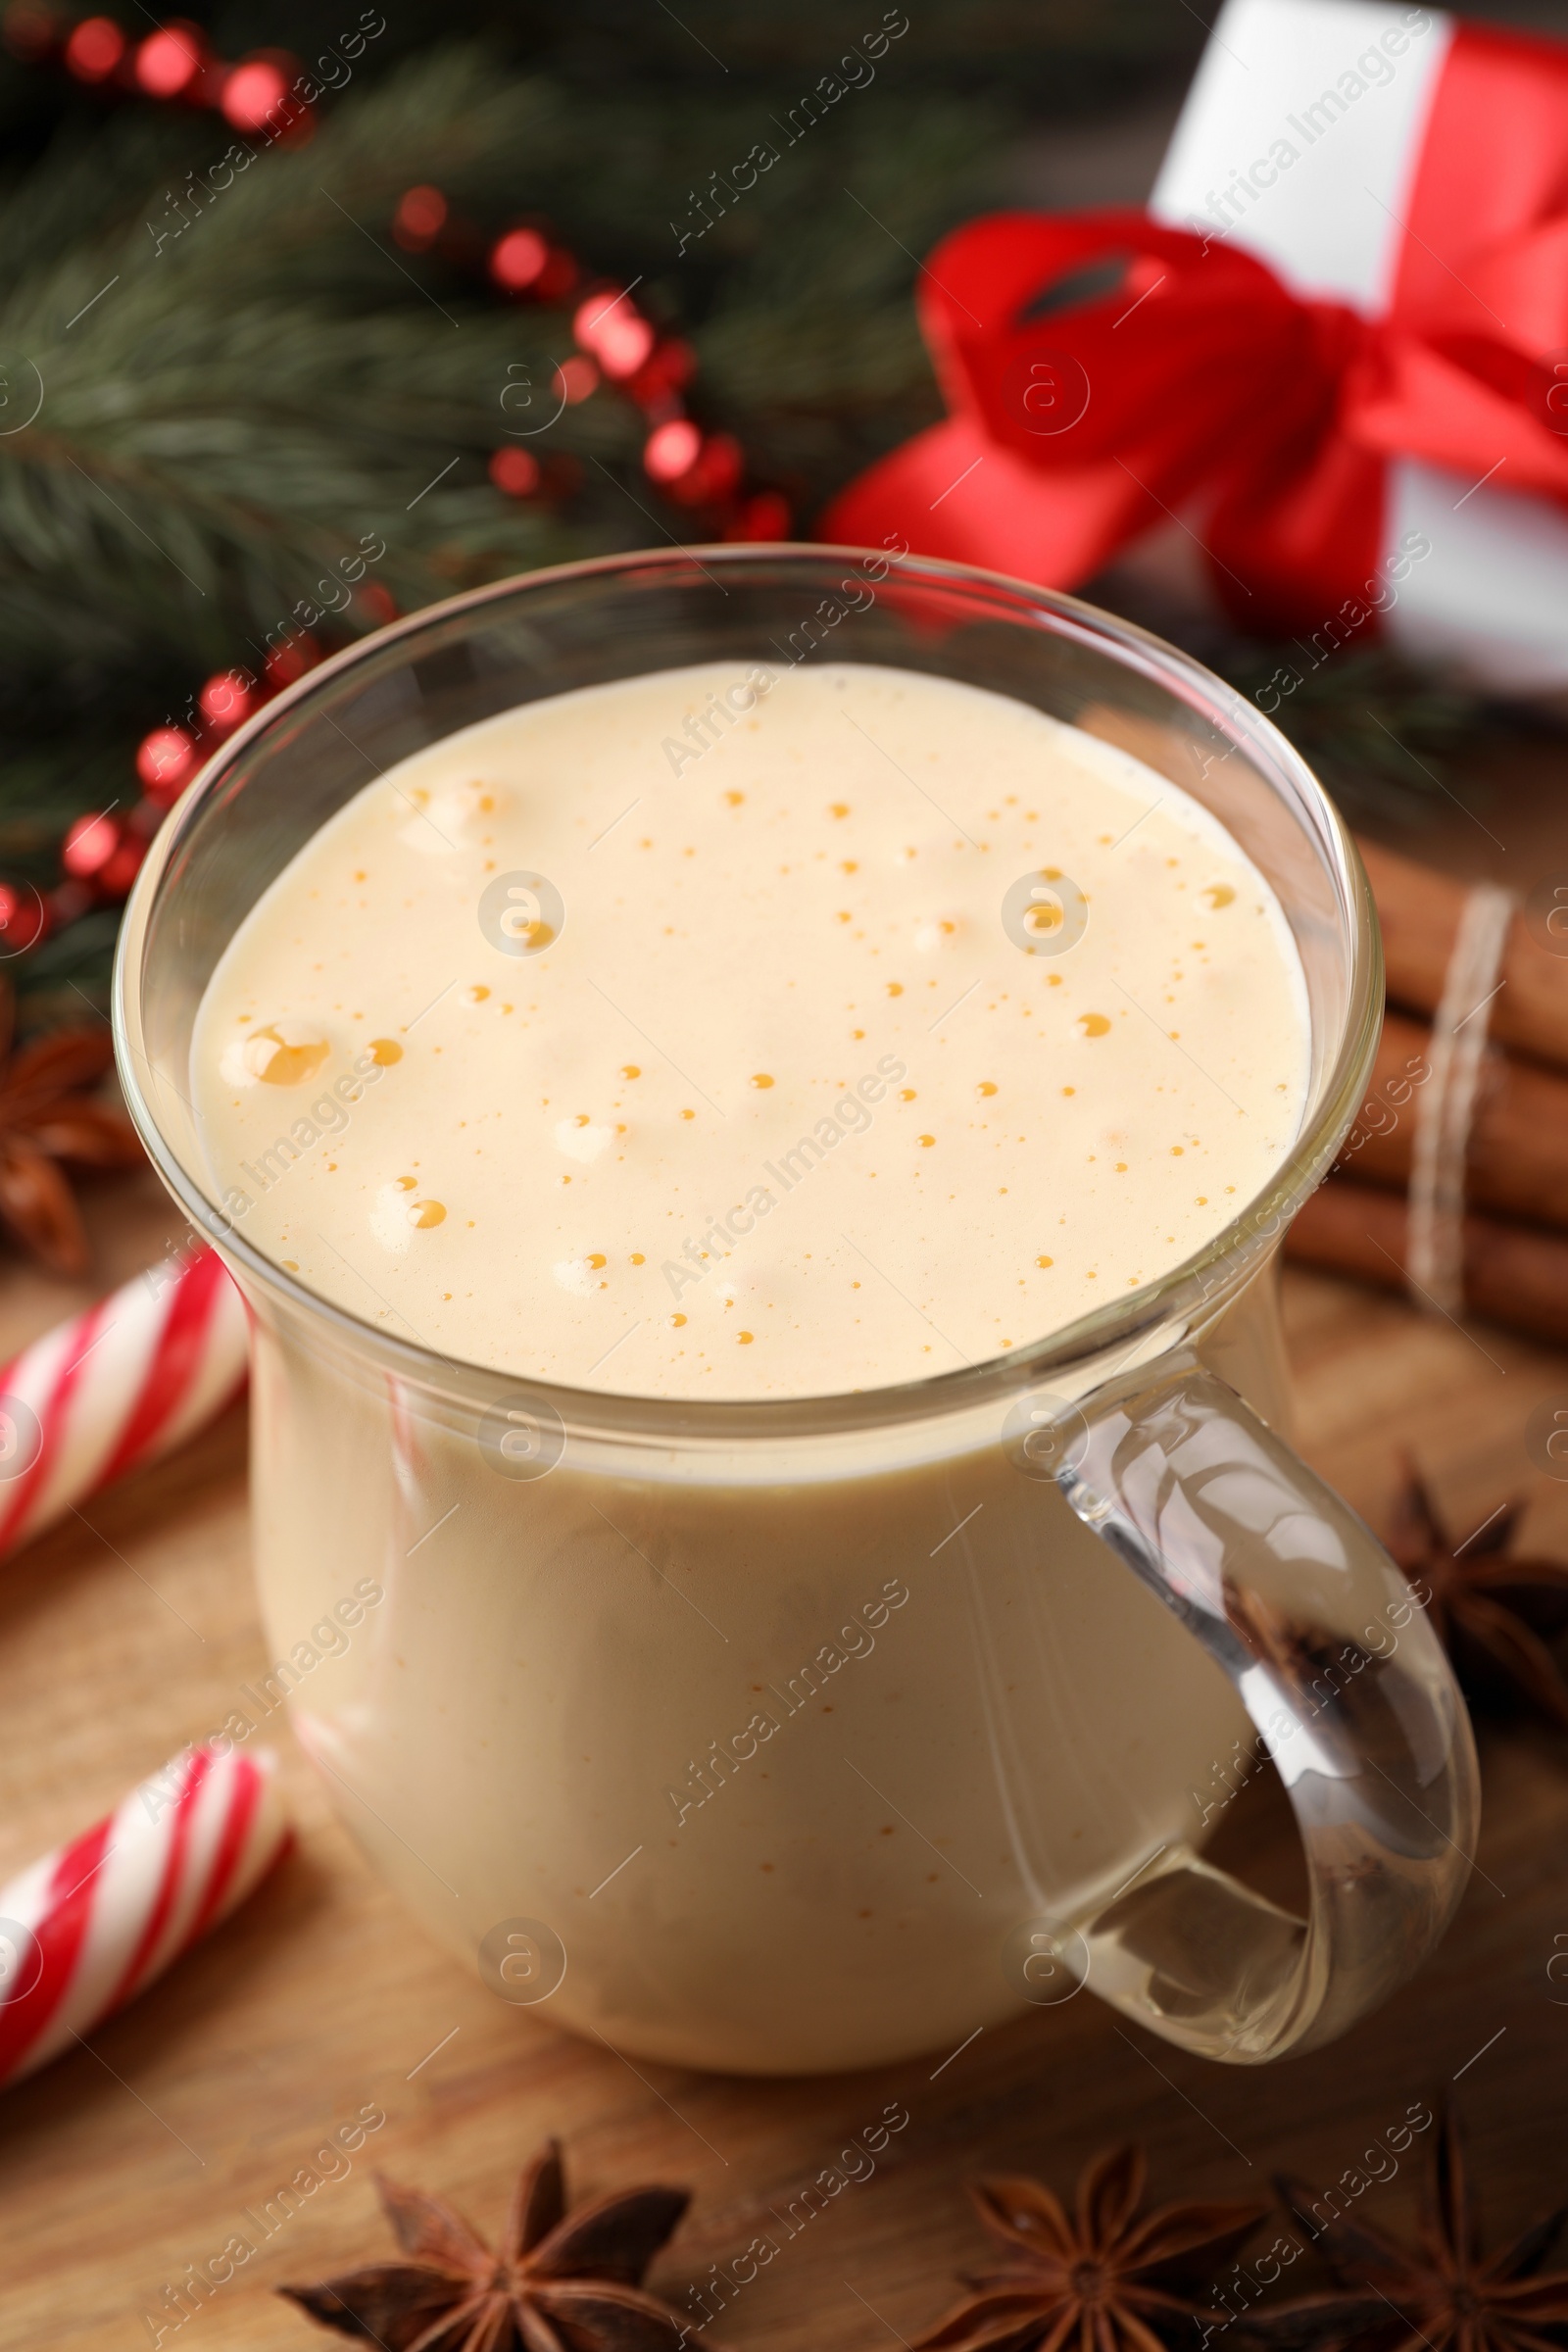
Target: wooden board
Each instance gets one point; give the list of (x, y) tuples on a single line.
[(140, 2154)]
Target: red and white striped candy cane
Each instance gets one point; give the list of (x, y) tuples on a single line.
[(91, 1926), (105, 1392)]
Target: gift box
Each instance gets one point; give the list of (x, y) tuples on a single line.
[(1319, 385)]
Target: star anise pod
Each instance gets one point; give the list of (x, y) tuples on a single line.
[(558, 2282), (1103, 2279), (49, 1119), (1489, 1612), (1388, 2298)]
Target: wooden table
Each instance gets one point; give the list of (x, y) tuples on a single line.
[(138, 2155)]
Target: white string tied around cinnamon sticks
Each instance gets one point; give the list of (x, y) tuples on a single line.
[(1435, 1245)]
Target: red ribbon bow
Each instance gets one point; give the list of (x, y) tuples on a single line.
[(1103, 370)]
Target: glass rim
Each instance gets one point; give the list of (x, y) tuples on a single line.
[(1194, 1289)]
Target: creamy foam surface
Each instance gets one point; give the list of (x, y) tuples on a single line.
[(776, 1103)]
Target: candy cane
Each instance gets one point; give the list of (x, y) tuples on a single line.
[(103, 1393), (91, 1926)]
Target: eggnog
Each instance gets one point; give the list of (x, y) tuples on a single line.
[(728, 1034)]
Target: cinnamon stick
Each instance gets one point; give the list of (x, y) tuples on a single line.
[(1419, 912), (1518, 1155), (1513, 1274)]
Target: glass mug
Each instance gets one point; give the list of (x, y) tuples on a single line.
[(781, 1736)]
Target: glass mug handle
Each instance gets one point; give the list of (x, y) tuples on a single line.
[(1349, 1691)]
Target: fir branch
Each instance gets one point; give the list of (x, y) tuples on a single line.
[(216, 431), (1381, 730), (234, 392), (813, 340)]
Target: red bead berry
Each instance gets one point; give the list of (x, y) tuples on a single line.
[(671, 450), (166, 760), (169, 61), (287, 662), (694, 470), (379, 602), (559, 276), (589, 316), (94, 49), (256, 93), (225, 701), (619, 339), (624, 344), (419, 218), (24, 919), (668, 367), (576, 378), (66, 903), (716, 473), (766, 515), (88, 845), (117, 874), (515, 471), (518, 259)]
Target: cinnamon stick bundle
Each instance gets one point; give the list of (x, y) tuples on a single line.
[(1419, 910), (1513, 1274), (1516, 1164), (1518, 1155)]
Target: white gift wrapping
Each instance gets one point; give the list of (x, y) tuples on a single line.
[(1490, 602)]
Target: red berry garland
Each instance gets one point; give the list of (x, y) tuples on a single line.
[(103, 852), (619, 345), (616, 345), (261, 95)]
